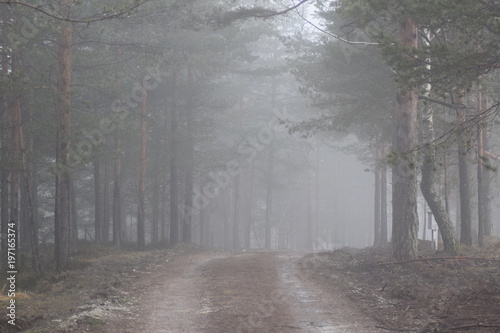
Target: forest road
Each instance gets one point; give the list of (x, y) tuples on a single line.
[(254, 291)]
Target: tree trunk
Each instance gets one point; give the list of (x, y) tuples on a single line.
[(188, 199), (174, 206), (383, 198), (428, 184), (270, 177), (165, 178), (74, 213), (156, 184), (4, 175), (226, 216), (269, 196), (97, 201), (30, 202), (248, 225), (117, 193), (309, 240), (15, 158), (63, 177), (377, 232), (141, 211), (236, 214), (463, 172), (30, 189), (164, 199), (105, 200), (404, 171), (483, 183), (204, 227), (487, 185)]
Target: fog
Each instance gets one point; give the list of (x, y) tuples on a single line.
[(235, 126)]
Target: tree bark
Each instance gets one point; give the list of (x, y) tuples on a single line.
[(141, 209), (483, 182), (269, 197), (377, 232), (117, 193), (97, 200), (270, 176), (428, 183), (383, 198), (404, 171), (156, 184), (105, 200), (463, 172), (309, 239), (63, 104), (188, 199), (74, 213), (15, 151), (174, 196), (5, 172), (30, 189), (248, 224), (236, 213)]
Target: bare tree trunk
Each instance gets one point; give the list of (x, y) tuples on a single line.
[(97, 200), (480, 172), (483, 183), (487, 185), (165, 177), (29, 187), (4, 176), (188, 199), (383, 198), (174, 196), (309, 240), (31, 204), (248, 224), (156, 184), (269, 196), (105, 200), (445, 185), (24, 224), (377, 232), (141, 211), (226, 216), (164, 199), (236, 214), (15, 149), (428, 184), (74, 213), (463, 171), (63, 177), (117, 193), (270, 176), (404, 172)]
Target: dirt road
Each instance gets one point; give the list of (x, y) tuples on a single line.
[(242, 293)]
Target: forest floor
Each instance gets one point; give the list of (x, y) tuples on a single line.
[(188, 289)]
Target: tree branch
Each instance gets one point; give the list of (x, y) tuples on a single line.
[(454, 106), (256, 12), (86, 20), (315, 26)]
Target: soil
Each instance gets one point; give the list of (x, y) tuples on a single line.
[(434, 293), (188, 289)]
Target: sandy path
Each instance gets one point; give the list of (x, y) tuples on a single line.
[(241, 293)]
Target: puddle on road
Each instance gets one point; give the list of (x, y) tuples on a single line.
[(320, 328)]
